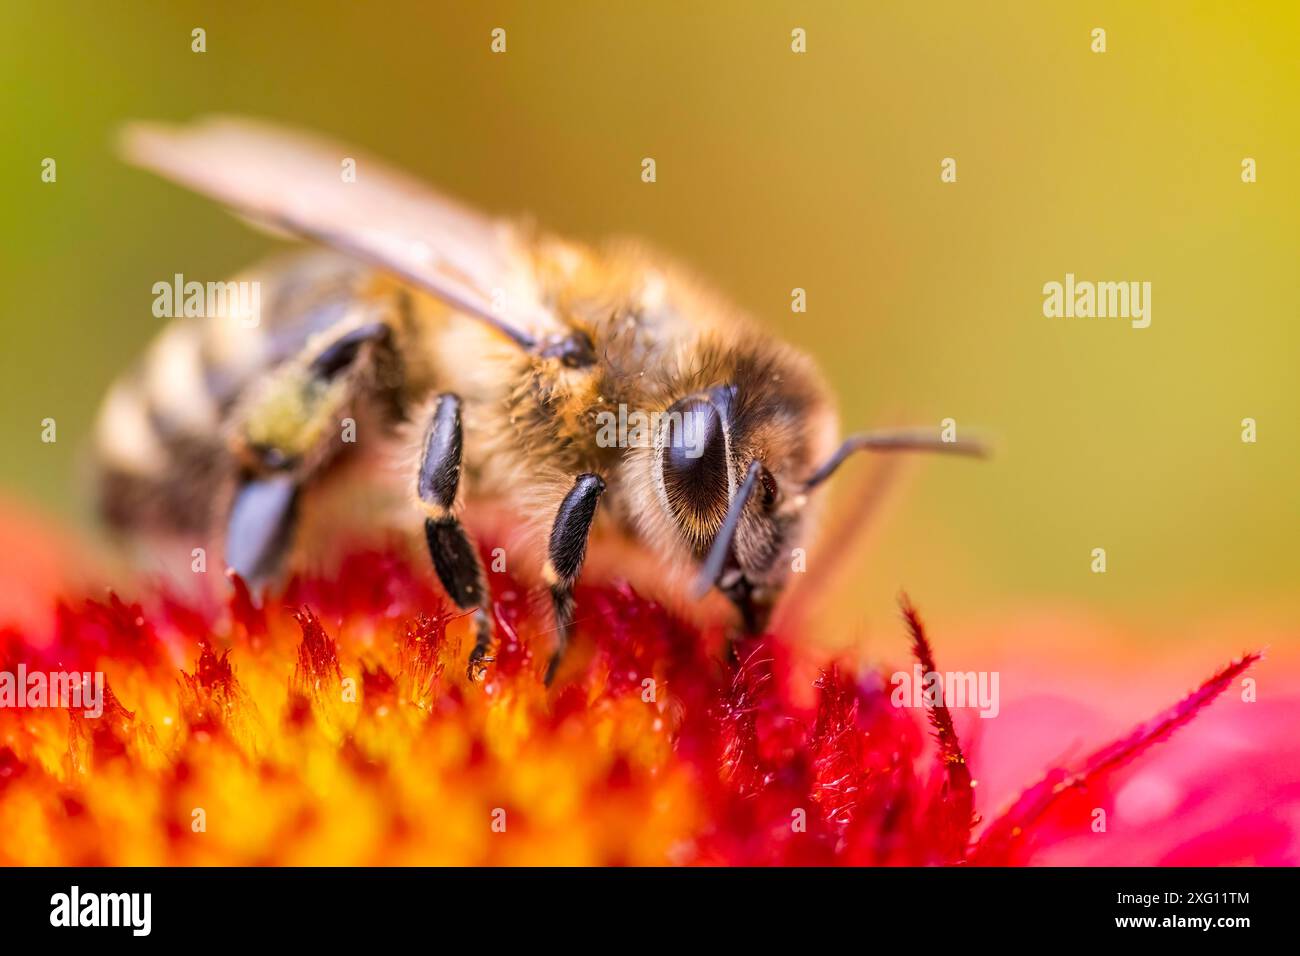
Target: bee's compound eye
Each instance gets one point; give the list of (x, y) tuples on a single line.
[(694, 456)]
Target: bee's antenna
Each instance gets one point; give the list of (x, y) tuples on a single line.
[(717, 558), (907, 439)]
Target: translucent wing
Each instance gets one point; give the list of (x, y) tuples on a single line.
[(294, 182)]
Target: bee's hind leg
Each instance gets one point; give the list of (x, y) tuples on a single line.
[(450, 547), (565, 553)]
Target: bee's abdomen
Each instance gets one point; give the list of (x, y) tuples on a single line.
[(160, 441), (160, 424)]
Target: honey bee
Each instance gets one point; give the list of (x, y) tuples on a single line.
[(481, 356)]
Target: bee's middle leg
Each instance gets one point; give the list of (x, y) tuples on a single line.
[(454, 557), (565, 554)]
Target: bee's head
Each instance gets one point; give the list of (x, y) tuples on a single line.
[(730, 463), (736, 466)]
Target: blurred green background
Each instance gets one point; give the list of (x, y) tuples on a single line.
[(775, 170)]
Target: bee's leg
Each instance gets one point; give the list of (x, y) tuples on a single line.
[(261, 525), (287, 431), (567, 548), (453, 554)]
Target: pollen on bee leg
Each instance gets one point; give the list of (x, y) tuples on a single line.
[(434, 511), (549, 574)]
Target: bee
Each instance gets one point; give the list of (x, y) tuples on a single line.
[(482, 359)]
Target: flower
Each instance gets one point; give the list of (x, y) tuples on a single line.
[(329, 721)]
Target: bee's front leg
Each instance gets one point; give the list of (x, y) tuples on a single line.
[(450, 547), (566, 550)]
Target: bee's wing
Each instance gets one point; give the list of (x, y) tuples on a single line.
[(294, 182)]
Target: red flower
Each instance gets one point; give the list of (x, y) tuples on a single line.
[(330, 722)]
